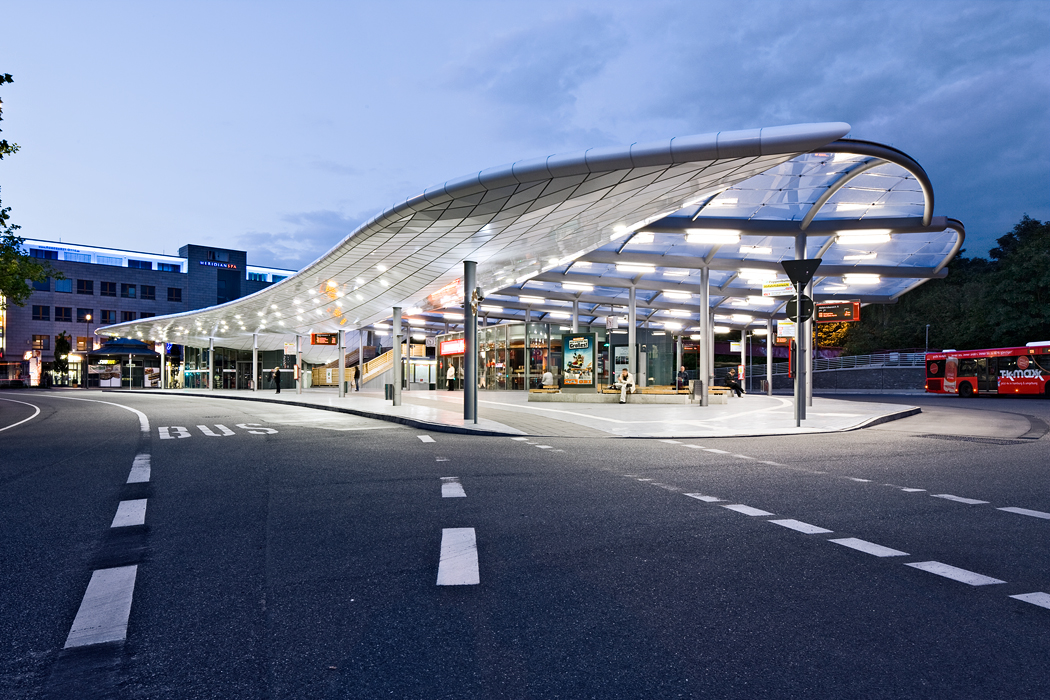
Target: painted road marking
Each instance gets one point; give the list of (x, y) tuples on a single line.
[(705, 499), (775, 464), (544, 447), (222, 428), (130, 513), (695, 447), (139, 470), (955, 573), (957, 499), (799, 526), (664, 486), (425, 438), (143, 420), (36, 408), (645, 480), (1040, 599), (442, 459), (459, 558), (256, 429), (912, 490), (711, 449), (672, 442), (747, 510), (869, 547), (166, 432), (451, 488), (104, 611), (742, 457), (1025, 511), (519, 439), (853, 478)]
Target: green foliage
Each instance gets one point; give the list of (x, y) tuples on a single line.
[(982, 303), (5, 147), (63, 346)]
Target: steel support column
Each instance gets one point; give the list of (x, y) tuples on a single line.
[(703, 373), (632, 337), (801, 362), (299, 363), (470, 349), (576, 316), (256, 376), (769, 357), (211, 365), (342, 361), (743, 359), (395, 326)]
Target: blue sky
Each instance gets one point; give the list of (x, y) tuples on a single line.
[(279, 127)]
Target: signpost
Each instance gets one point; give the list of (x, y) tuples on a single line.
[(807, 309), (800, 272)]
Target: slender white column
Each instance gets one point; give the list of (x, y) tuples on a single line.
[(800, 344), (342, 361), (575, 315), (632, 319), (703, 366), (470, 347), (396, 331), (809, 350), (299, 363), (743, 356), (769, 357), (255, 362), (211, 364), (163, 366)]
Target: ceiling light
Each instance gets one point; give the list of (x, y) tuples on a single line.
[(419, 336), (417, 321), (872, 236), (759, 331), (721, 329), (755, 250), (659, 333), (679, 312), (532, 300), (384, 283), (861, 256), (381, 268), (381, 326), (861, 279), (642, 237), (673, 326), (761, 301), (559, 314), (751, 273), (619, 231), (676, 295), (696, 336), (635, 267), (711, 235), (453, 317), (577, 287), (742, 318), (491, 309)]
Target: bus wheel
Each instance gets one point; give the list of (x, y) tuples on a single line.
[(966, 390)]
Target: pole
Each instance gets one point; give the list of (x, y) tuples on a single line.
[(88, 348), (470, 335), (396, 330), (702, 373), (743, 356), (299, 363), (800, 381), (342, 361), (576, 316), (256, 374), (810, 352), (163, 363), (927, 337), (769, 357), (360, 359), (211, 365)]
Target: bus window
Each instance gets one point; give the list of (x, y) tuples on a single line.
[(967, 368), (1007, 363)]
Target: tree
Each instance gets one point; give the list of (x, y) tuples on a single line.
[(63, 346), (17, 269)]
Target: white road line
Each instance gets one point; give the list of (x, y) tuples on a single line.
[(672, 442), (954, 573), (853, 478), (425, 438), (645, 480), (775, 464), (165, 432), (957, 499), (143, 420), (139, 470), (664, 486), (705, 499), (742, 457), (442, 459), (544, 447), (1025, 511), (869, 547), (747, 510), (104, 611), (130, 513), (912, 490), (1040, 599), (451, 488), (519, 439), (711, 449), (36, 408), (459, 557), (694, 447), (799, 526)]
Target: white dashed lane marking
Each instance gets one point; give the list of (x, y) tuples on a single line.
[(912, 490), (452, 488), (705, 499), (871, 548), (958, 499), (954, 573), (139, 470), (425, 438), (1025, 511), (130, 513), (799, 526), (459, 558), (747, 510), (104, 611), (1040, 599), (520, 439), (544, 447)]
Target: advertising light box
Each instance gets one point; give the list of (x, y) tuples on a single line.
[(453, 347), (578, 353)]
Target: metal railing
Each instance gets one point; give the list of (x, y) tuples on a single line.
[(820, 364)]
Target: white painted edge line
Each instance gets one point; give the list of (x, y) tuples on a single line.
[(140, 469), (742, 457), (853, 478), (519, 439), (775, 464), (143, 420), (705, 499), (458, 565), (747, 510), (1025, 511), (799, 526), (24, 420), (954, 573), (672, 442), (104, 611), (1040, 599), (130, 513), (425, 438), (544, 447), (452, 488), (644, 479), (912, 490), (871, 548), (958, 499), (711, 449), (694, 447)]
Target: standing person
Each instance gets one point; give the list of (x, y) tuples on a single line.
[(683, 378), (732, 383), (450, 377), (275, 377), (353, 377), (625, 383)]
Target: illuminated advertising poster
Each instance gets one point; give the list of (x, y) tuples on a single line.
[(578, 359)]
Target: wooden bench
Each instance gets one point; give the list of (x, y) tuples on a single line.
[(546, 390)]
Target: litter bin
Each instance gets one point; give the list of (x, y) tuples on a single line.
[(388, 391), (763, 386)]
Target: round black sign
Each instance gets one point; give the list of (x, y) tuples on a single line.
[(807, 308)]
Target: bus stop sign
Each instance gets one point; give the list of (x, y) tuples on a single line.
[(807, 309), (800, 271)]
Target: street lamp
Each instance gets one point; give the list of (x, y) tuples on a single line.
[(927, 337), (87, 347)]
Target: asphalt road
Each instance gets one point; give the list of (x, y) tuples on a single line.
[(294, 553)]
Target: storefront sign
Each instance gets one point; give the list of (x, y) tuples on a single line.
[(324, 339), (225, 266), (578, 360), (453, 347)]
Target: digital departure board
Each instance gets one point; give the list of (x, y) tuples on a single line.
[(838, 312), (324, 339)]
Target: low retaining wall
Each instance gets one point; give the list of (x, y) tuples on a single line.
[(587, 397), (856, 379)]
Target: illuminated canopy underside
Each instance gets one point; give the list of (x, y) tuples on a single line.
[(533, 225)]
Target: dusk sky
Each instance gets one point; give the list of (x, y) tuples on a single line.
[(279, 127)]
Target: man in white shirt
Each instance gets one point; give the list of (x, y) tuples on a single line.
[(547, 382), (624, 382)]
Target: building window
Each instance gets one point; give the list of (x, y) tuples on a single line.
[(140, 264), (63, 314), (41, 313), (65, 286), (83, 314), (278, 278), (76, 257), (175, 294), (127, 316), (107, 289), (108, 260), (127, 291), (107, 316), (43, 254), (149, 292), (85, 286), (41, 342), (218, 255), (43, 285), (257, 276), (169, 267), (147, 314), (83, 344)]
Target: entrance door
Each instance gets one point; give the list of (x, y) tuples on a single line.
[(244, 375), (988, 375)]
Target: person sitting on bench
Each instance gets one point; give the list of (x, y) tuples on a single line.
[(625, 383), (732, 383)]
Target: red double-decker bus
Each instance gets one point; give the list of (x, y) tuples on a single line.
[(1001, 371)]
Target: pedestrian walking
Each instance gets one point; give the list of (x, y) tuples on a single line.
[(275, 377), (450, 377)]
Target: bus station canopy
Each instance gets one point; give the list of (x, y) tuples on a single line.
[(583, 230)]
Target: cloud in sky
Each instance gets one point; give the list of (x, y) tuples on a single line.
[(212, 131)]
